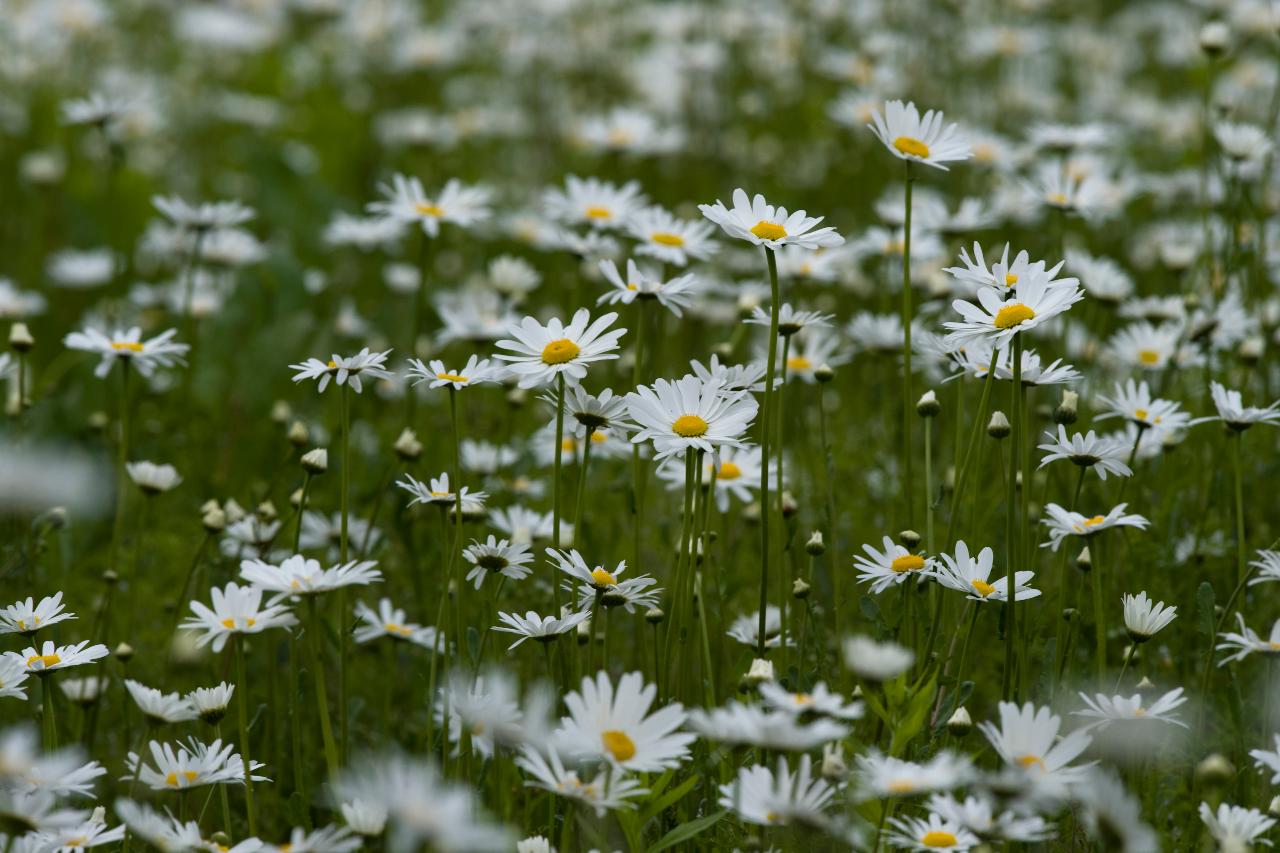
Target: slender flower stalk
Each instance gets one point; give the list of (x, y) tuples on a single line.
[(242, 705), (555, 485), (765, 407), (1013, 532), (907, 398)]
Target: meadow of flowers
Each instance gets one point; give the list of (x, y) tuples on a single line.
[(535, 425)]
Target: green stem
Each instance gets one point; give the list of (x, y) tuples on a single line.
[(242, 705), (974, 431), (1099, 613), (1012, 530), (907, 401), (50, 722), (555, 486), (765, 404), (322, 697), (1241, 558)]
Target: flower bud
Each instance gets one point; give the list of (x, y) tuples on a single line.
[(1274, 808), (654, 615), (98, 421), (960, 723), (1215, 38), (267, 511), (407, 446), (214, 520), (928, 406), (998, 426), (316, 461), (1214, 771), (1084, 562), (833, 767), (815, 547), (789, 504), (234, 511), (1251, 350), (280, 412), (123, 652), (824, 373), (516, 398), (20, 339), (295, 498), (761, 670), (299, 434), (800, 589), (909, 539), (1068, 410), (583, 632), (110, 578)]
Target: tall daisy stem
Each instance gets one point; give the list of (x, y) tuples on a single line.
[(974, 431), (1013, 532), (242, 713), (322, 698), (907, 400), (1237, 439), (50, 722), (555, 485), (765, 407), (344, 548)]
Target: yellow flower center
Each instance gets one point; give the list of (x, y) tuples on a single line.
[(768, 230), (426, 208), (911, 147), (938, 838), (331, 364), (451, 377), (632, 287), (666, 238), (1148, 356), (597, 212), (1030, 761), (569, 444), (598, 437), (772, 816), (78, 841), (1095, 521), (396, 628), (729, 471), (798, 362), (689, 426), (1013, 314), (907, 563), (984, 589), (618, 744), (1060, 199), (44, 661), (901, 786), (172, 779), (1010, 279), (559, 352), (1139, 712), (602, 578), (802, 698), (126, 346), (1140, 414)]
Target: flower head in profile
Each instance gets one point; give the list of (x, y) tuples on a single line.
[(540, 354), (159, 707), (889, 567), (51, 657), (1027, 738), (191, 765), (497, 557), (27, 617), (779, 797), (671, 240), (390, 621), (674, 294), (610, 789), (689, 414), (476, 371), (1234, 414), (884, 776), (1105, 711), (1236, 827), (404, 200), (1245, 642), (1144, 618), (593, 202), (916, 139), (298, 575), (202, 216), (153, 479), (344, 370), (544, 629), (127, 347), (1087, 450), (1133, 401), (876, 661), (973, 576), (236, 610), (1063, 523), (762, 224), (930, 833)]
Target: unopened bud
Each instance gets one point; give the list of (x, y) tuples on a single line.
[(20, 339), (98, 421), (833, 767), (1274, 808), (824, 373), (123, 652), (800, 589), (110, 578), (214, 520), (909, 539), (815, 547), (928, 406), (960, 723), (316, 461), (1145, 685), (1215, 771), (299, 434), (280, 412), (1068, 410), (583, 632), (1251, 350), (516, 398), (267, 511), (654, 615), (1215, 38), (724, 349), (761, 670), (234, 511), (407, 446), (789, 505), (295, 498), (1084, 562), (998, 426)]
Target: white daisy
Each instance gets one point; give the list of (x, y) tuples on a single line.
[(298, 575), (615, 725), (1063, 523), (27, 617), (127, 347), (50, 657), (1235, 414), (891, 567), (160, 707), (1245, 642), (475, 372), (910, 137), (689, 414), (544, 629), (675, 294), (1144, 618), (930, 833), (497, 557), (344, 370), (594, 202), (539, 353), (1102, 455), (973, 577), (610, 789), (1108, 710), (1236, 827), (406, 201), (236, 610), (768, 798), (762, 224), (1031, 303), (671, 240), (1027, 738), (390, 621)]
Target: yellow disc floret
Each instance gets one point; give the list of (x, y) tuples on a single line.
[(689, 426), (768, 230), (911, 146), (618, 745), (907, 563), (1013, 314), (560, 351)]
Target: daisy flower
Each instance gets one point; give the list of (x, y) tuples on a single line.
[(93, 832), (128, 347), (930, 833), (1236, 827), (735, 378), (299, 575), (51, 657), (1235, 414), (751, 725), (1063, 523), (1145, 346), (1103, 455), (1027, 737), (610, 789), (1105, 710), (762, 224), (159, 707), (746, 629), (689, 414), (27, 617), (591, 201), (389, 621), (524, 526), (668, 239), (1033, 302), (202, 216), (1268, 759), (882, 776), (1243, 643), (973, 577), (365, 818), (1133, 402), (1144, 618), (674, 295), (211, 703), (328, 839), (406, 201), (736, 474), (497, 557), (778, 798), (191, 765), (978, 815), (13, 673), (152, 478), (876, 661), (475, 372), (81, 691), (890, 567), (817, 701), (919, 140), (615, 725), (437, 491), (790, 321), (236, 610), (344, 370), (1267, 564), (544, 629), (539, 353), (1242, 142)]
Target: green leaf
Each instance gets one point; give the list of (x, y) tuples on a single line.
[(912, 719), (686, 831), (657, 806), (630, 824)]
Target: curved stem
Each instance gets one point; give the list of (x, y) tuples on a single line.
[(770, 366)]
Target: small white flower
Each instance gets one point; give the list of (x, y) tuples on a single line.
[(1145, 618), (344, 370), (910, 137), (762, 224)]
